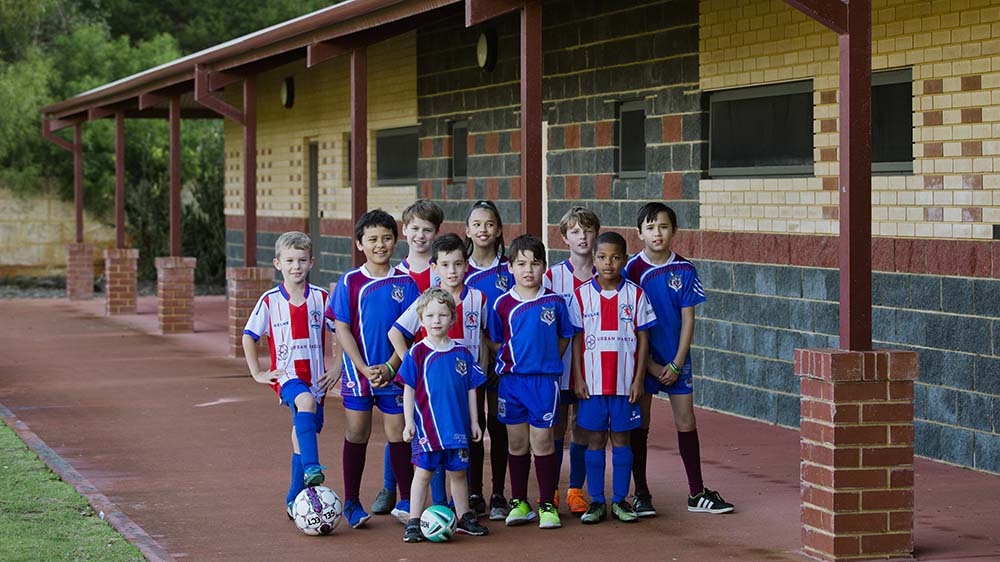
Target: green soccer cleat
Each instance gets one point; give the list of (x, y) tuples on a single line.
[(548, 516), (520, 512), (596, 512), (624, 512)]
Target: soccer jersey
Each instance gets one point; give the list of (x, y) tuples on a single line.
[(425, 279), (610, 321), (529, 331), (441, 380), (470, 314), (562, 280), (295, 335), (370, 305), (493, 281), (669, 288)]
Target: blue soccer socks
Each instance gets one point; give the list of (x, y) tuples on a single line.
[(577, 464), (305, 431), (621, 472), (298, 473), (596, 462)]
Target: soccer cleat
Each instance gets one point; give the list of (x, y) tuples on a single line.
[(576, 502), (624, 512), (478, 505), (314, 476), (643, 506), (402, 511), (498, 507), (288, 510), (709, 501), (519, 513), (468, 525), (384, 501), (356, 515), (412, 533), (596, 512), (548, 516)]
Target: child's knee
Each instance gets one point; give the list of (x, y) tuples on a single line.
[(305, 402)]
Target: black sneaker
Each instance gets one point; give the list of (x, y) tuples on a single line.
[(468, 525), (412, 532), (709, 501), (498, 508), (478, 505), (644, 506)]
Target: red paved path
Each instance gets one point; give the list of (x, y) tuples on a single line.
[(196, 454)]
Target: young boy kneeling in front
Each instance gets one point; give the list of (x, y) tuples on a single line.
[(609, 364), (439, 405)]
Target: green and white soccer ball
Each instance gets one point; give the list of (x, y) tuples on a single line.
[(437, 523), (317, 510)]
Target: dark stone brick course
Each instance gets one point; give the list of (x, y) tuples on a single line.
[(987, 451)]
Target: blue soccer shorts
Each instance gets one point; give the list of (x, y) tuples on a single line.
[(291, 390), (389, 404), (453, 460), (601, 413), (532, 399), (681, 386)]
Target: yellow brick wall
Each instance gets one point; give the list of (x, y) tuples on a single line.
[(953, 48), (321, 113)]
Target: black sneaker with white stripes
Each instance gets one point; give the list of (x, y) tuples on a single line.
[(709, 501)]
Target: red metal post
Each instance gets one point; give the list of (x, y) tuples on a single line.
[(119, 180), (531, 117), (359, 140), (78, 179), (855, 179), (175, 176), (250, 171)]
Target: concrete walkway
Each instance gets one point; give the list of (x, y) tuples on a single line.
[(196, 454)]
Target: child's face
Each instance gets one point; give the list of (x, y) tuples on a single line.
[(580, 240), (377, 242), (609, 261), (437, 319), (482, 228), (419, 234), (294, 265), (657, 233), (528, 270), (450, 267)]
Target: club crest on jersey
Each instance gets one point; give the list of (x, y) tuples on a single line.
[(625, 313), (502, 282), (472, 320), (282, 352), (461, 367), (548, 314), (675, 282), (397, 293), (591, 341), (315, 315)]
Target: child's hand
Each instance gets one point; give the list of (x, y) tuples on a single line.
[(409, 432), (667, 376), (267, 377), (476, 432), (635, 391), (330, 380), (374, 375), (580, 389)]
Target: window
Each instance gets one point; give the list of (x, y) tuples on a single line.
[(632, 140), (396, 156), (459, 150), (762, 131), (892, 121)]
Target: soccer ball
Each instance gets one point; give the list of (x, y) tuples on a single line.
[(317, 510), (437, 523)]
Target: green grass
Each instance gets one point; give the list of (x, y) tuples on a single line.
[(43, 518)]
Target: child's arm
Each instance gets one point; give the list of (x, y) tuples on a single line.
[(664, 373), (376, 374), (399, 342), (579, 386), (563, 343), (474, 429), (641, 355), (263, 376), (409, 430), (332, 375)]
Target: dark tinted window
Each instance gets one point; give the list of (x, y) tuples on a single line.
[(396, 156), (632, 135), (459, 149), (892, 121)]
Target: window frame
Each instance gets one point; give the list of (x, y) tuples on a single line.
[(629, 107), (885, 78), (398, 132)]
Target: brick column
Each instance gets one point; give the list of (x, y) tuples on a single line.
[(244, 285), (79, 271), (857, 453), (119, 287), (175, 294)]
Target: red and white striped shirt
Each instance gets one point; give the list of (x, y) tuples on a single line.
[(563, 280), (610, 322)]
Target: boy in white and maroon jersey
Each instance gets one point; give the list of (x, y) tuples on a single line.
[(609, 364), (292, 315), (579, 227)]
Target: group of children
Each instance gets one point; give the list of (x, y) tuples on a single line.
[(459, 333)]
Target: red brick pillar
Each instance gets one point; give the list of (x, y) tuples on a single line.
[(857, 453), (120, 272), (79, 271), (244, 285), (175, 294)]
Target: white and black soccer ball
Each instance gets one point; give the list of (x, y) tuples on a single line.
[(437, 523), (317, 510)]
